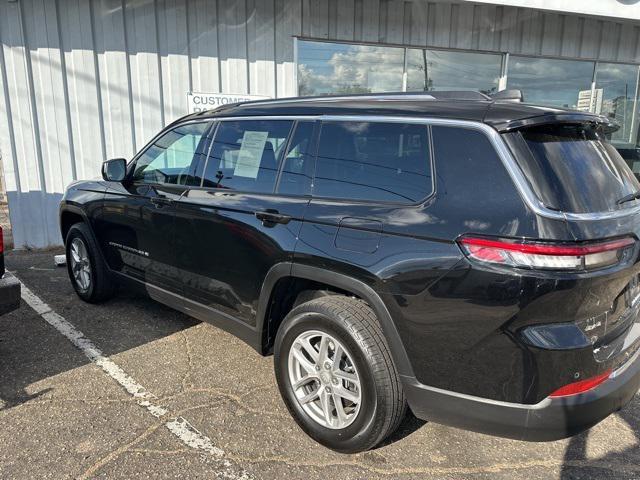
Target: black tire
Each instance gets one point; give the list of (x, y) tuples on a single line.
[(354, 324), (101, 286)]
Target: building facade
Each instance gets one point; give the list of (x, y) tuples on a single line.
[(86, 80)]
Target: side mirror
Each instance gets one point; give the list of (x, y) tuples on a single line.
[(114, 170)]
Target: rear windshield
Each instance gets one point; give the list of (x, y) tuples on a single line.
[(573, 168)]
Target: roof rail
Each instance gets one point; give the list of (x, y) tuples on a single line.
[(417, 95)]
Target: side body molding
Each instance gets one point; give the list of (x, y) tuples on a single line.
[(342, 282)]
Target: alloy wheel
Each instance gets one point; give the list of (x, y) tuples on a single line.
[(80, 264), (324, 379)]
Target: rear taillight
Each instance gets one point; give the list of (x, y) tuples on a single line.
[(547, 255), (582, 386)]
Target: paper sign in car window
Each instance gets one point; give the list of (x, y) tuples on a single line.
[(250, 154)]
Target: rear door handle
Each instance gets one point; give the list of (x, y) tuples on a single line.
[(270, 217), (160, 202)]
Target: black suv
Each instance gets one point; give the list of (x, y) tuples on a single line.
[(475, 259)]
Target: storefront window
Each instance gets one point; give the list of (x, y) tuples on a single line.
[(443, 70), (615, 94), (329, 68), (557, 83), (610, 89)]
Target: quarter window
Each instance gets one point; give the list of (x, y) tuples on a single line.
[(170, 159), (373, 161), (245, 155)]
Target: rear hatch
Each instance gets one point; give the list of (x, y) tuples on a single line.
[(577, 174)]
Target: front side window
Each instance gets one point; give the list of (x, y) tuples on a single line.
[(245, 155), (374, 161), (170, 159)]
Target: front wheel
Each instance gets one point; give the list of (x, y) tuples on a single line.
[(336, 376), (87, 271)]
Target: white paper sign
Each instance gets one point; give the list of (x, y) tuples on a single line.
[(250, 154), (198, 101)]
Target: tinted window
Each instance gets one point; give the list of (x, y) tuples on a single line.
[(170, 159), (573, 168), (373, 161), (471, 176), (245, 155), (297, 170)]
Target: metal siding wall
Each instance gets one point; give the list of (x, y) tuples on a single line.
[(85, 80)]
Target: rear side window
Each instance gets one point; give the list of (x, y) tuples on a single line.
[(373, 161), (573, 168), (297, 170), (245, 155)]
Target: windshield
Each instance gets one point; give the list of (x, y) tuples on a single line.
[(573, 168)]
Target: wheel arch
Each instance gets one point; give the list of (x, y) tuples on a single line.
[(341, 283), (69, 216)]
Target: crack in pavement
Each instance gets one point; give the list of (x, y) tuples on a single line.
[(177, 425)]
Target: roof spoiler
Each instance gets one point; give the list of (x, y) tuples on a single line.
[(513, 95)]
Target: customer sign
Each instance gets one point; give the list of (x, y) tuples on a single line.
[(197, 101)]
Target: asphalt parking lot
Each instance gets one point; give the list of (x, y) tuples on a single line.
[(165, 396)]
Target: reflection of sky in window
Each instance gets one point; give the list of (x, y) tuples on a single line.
[(549, 81), (452, 70), (618, 84), (337, 68), (325, 68), (616, 79)]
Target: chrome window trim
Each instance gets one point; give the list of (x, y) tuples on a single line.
[(494, 137)]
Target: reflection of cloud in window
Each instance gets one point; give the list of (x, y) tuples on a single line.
[(553, 82), (452, 70), (357, 69)]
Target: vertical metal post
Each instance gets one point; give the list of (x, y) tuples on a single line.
[(634, 115), (404, 71), (295, 65), (502, 82)]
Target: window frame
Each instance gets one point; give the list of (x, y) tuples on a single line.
[(131, 166)]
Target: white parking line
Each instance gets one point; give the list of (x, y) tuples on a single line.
[(178, 426)]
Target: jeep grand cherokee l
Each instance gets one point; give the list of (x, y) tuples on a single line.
[(473, 259)]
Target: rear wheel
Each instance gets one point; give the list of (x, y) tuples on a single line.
[(336, 376), (87, 271)]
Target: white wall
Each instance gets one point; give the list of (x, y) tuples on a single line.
[(620, 9), (86, 80)]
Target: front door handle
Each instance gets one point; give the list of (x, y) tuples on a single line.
[(160, 202), (270, 217)]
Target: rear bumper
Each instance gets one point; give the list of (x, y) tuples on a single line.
[(551, 419), (9, 293)]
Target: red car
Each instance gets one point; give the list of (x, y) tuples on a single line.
[(9, 285)]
